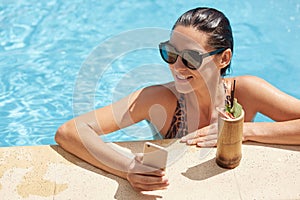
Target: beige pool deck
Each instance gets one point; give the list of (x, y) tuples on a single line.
[(49, 172)]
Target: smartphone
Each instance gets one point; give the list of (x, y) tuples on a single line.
[(155, 156)]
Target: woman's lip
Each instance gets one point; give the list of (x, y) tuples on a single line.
[(182, 78)]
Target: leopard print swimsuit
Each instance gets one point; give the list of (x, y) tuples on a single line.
[(179, 127)]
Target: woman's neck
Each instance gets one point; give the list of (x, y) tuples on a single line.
[(199, 98), (199, 108), (201, 104)]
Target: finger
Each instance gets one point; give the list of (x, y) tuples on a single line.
[(142, 168), (149, 180), (139, 157), (150, 171), (141, 187), (202, 139), (137, 167), (146, 183), (208, 130), (211, 143), (189, 136)]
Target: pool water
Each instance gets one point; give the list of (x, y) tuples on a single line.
[(45, 43)]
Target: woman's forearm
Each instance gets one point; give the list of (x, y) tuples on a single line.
[(287, 132), (80, 140)]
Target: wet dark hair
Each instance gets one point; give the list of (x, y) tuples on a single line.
[(212, 22)]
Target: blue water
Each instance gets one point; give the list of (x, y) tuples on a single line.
[(44, 44)]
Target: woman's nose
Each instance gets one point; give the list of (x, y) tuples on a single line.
[(178, 65)]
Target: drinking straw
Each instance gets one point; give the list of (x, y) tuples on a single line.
[(232, 94)]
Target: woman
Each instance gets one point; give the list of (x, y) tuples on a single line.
[(198, 52)]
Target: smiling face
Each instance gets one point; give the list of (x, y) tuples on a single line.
[(187, 80)]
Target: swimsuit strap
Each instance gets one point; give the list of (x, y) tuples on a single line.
[(178, 126)]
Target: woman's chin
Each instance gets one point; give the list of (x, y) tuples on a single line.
[(184, 88)]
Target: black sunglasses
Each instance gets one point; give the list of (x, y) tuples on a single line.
[(190, 58)]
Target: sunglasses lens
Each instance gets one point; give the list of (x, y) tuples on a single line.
[(192, 59), (168, 53)]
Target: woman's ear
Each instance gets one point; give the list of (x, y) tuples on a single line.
[(225, 58)]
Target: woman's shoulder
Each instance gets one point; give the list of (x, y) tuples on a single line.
[(249, 91), (157, 102), (242, 78), (245, 82), (249, 88), (253, 89), (162, 92)]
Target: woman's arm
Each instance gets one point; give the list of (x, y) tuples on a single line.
[(80, 136), (286, 132), (256, 95), (279, 106)]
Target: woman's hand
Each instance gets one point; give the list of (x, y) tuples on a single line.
[(146, 178), (204, 137)]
